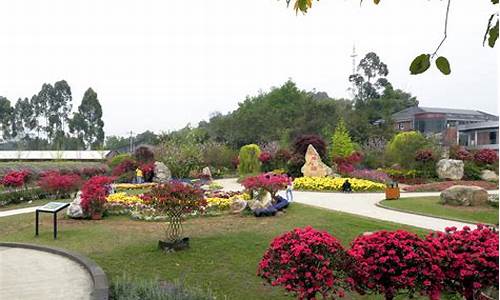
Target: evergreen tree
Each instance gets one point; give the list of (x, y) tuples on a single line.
[(87, 123), (5, 118), (342, 145)]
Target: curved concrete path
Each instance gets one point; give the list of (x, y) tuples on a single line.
[(31, 274), (363, 204)]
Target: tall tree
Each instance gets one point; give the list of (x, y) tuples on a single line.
[(370, 83), (40, 103), (5, 117), (59, 107), (87, 123)]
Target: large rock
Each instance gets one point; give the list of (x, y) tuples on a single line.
[(314, 166), (489, 175), (464, 196), (238, 206), (207, 173), (75, 209), (162, 173), (450, 169)]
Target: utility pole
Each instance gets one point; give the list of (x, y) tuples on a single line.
[(353, 56), (131, 138)]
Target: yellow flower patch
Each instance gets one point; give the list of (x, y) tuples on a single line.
[(133, 186), (335, 184), (123, 198)]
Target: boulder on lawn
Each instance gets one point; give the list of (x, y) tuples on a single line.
[(75, 209), (462, 195), (162, 173), (450, 169), (489, 175), (314, 166)]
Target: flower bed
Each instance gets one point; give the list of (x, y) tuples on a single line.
[(133, 186), (373, 175), (441, 186), (335, 184), (222, 200)]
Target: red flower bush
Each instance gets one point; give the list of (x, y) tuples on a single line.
[(346, 165), (305, 262), (177, 196), (269, 182), (265, 157), (125, 166), (94, 193), (92, 171), (15, 179), (468, 258), (391, 262), (461, 154), (486, 156), (424, 155), (148, 170), (57, 184)]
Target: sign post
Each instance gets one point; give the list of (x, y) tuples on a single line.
[(53, 208)]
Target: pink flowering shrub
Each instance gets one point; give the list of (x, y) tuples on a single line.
[(305, 262), (486, 156), (424, 155), (393, 262), (468, 258), (57, 184), (269, 182), (373, 175), (15, 179), (346, 165), (265, 157), (94, 193)]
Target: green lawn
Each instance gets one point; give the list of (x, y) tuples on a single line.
[(430, 206), (224, 252)]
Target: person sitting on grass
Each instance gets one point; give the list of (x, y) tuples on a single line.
[(346, 187)]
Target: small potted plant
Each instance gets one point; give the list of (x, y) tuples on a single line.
[(175, 199)]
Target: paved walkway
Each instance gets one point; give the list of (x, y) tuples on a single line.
[(363, 204), (30, 274), (18, 211)]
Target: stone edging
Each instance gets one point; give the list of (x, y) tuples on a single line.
[(379, 204), (101, 288)]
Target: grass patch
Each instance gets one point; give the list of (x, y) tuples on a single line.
[(224, 252), (430, 206)]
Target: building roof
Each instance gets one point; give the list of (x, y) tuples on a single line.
[(409, 112), (479, 125), (54, 155)]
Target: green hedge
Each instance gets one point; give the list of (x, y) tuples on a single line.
[(21, 195)]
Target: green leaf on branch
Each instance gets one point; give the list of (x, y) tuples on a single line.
[(494, 1), (493, 35), (420, 64), (378, 1), (443, 65)]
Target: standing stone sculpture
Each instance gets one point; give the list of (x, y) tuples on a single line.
[(75, 209), (314, 166), (161, 173), (207, 173), (450, 169)]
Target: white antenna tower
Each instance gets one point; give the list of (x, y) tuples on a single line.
[(353, 56)]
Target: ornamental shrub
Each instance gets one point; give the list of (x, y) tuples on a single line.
[(15, 179), (249, 160), (425, 160), (116, 160), (126, 166), (269, 182), (395, 262), (460, 153), (148, 170), (58, 184), (472, 171), (342, 145), (404, 146), (347, 164), (307, 263), (486, 157), (177, 195), (468, 258), (294, 165), (266, 160), (143, 155), (302, 142), (373, 175), (94, 193)]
